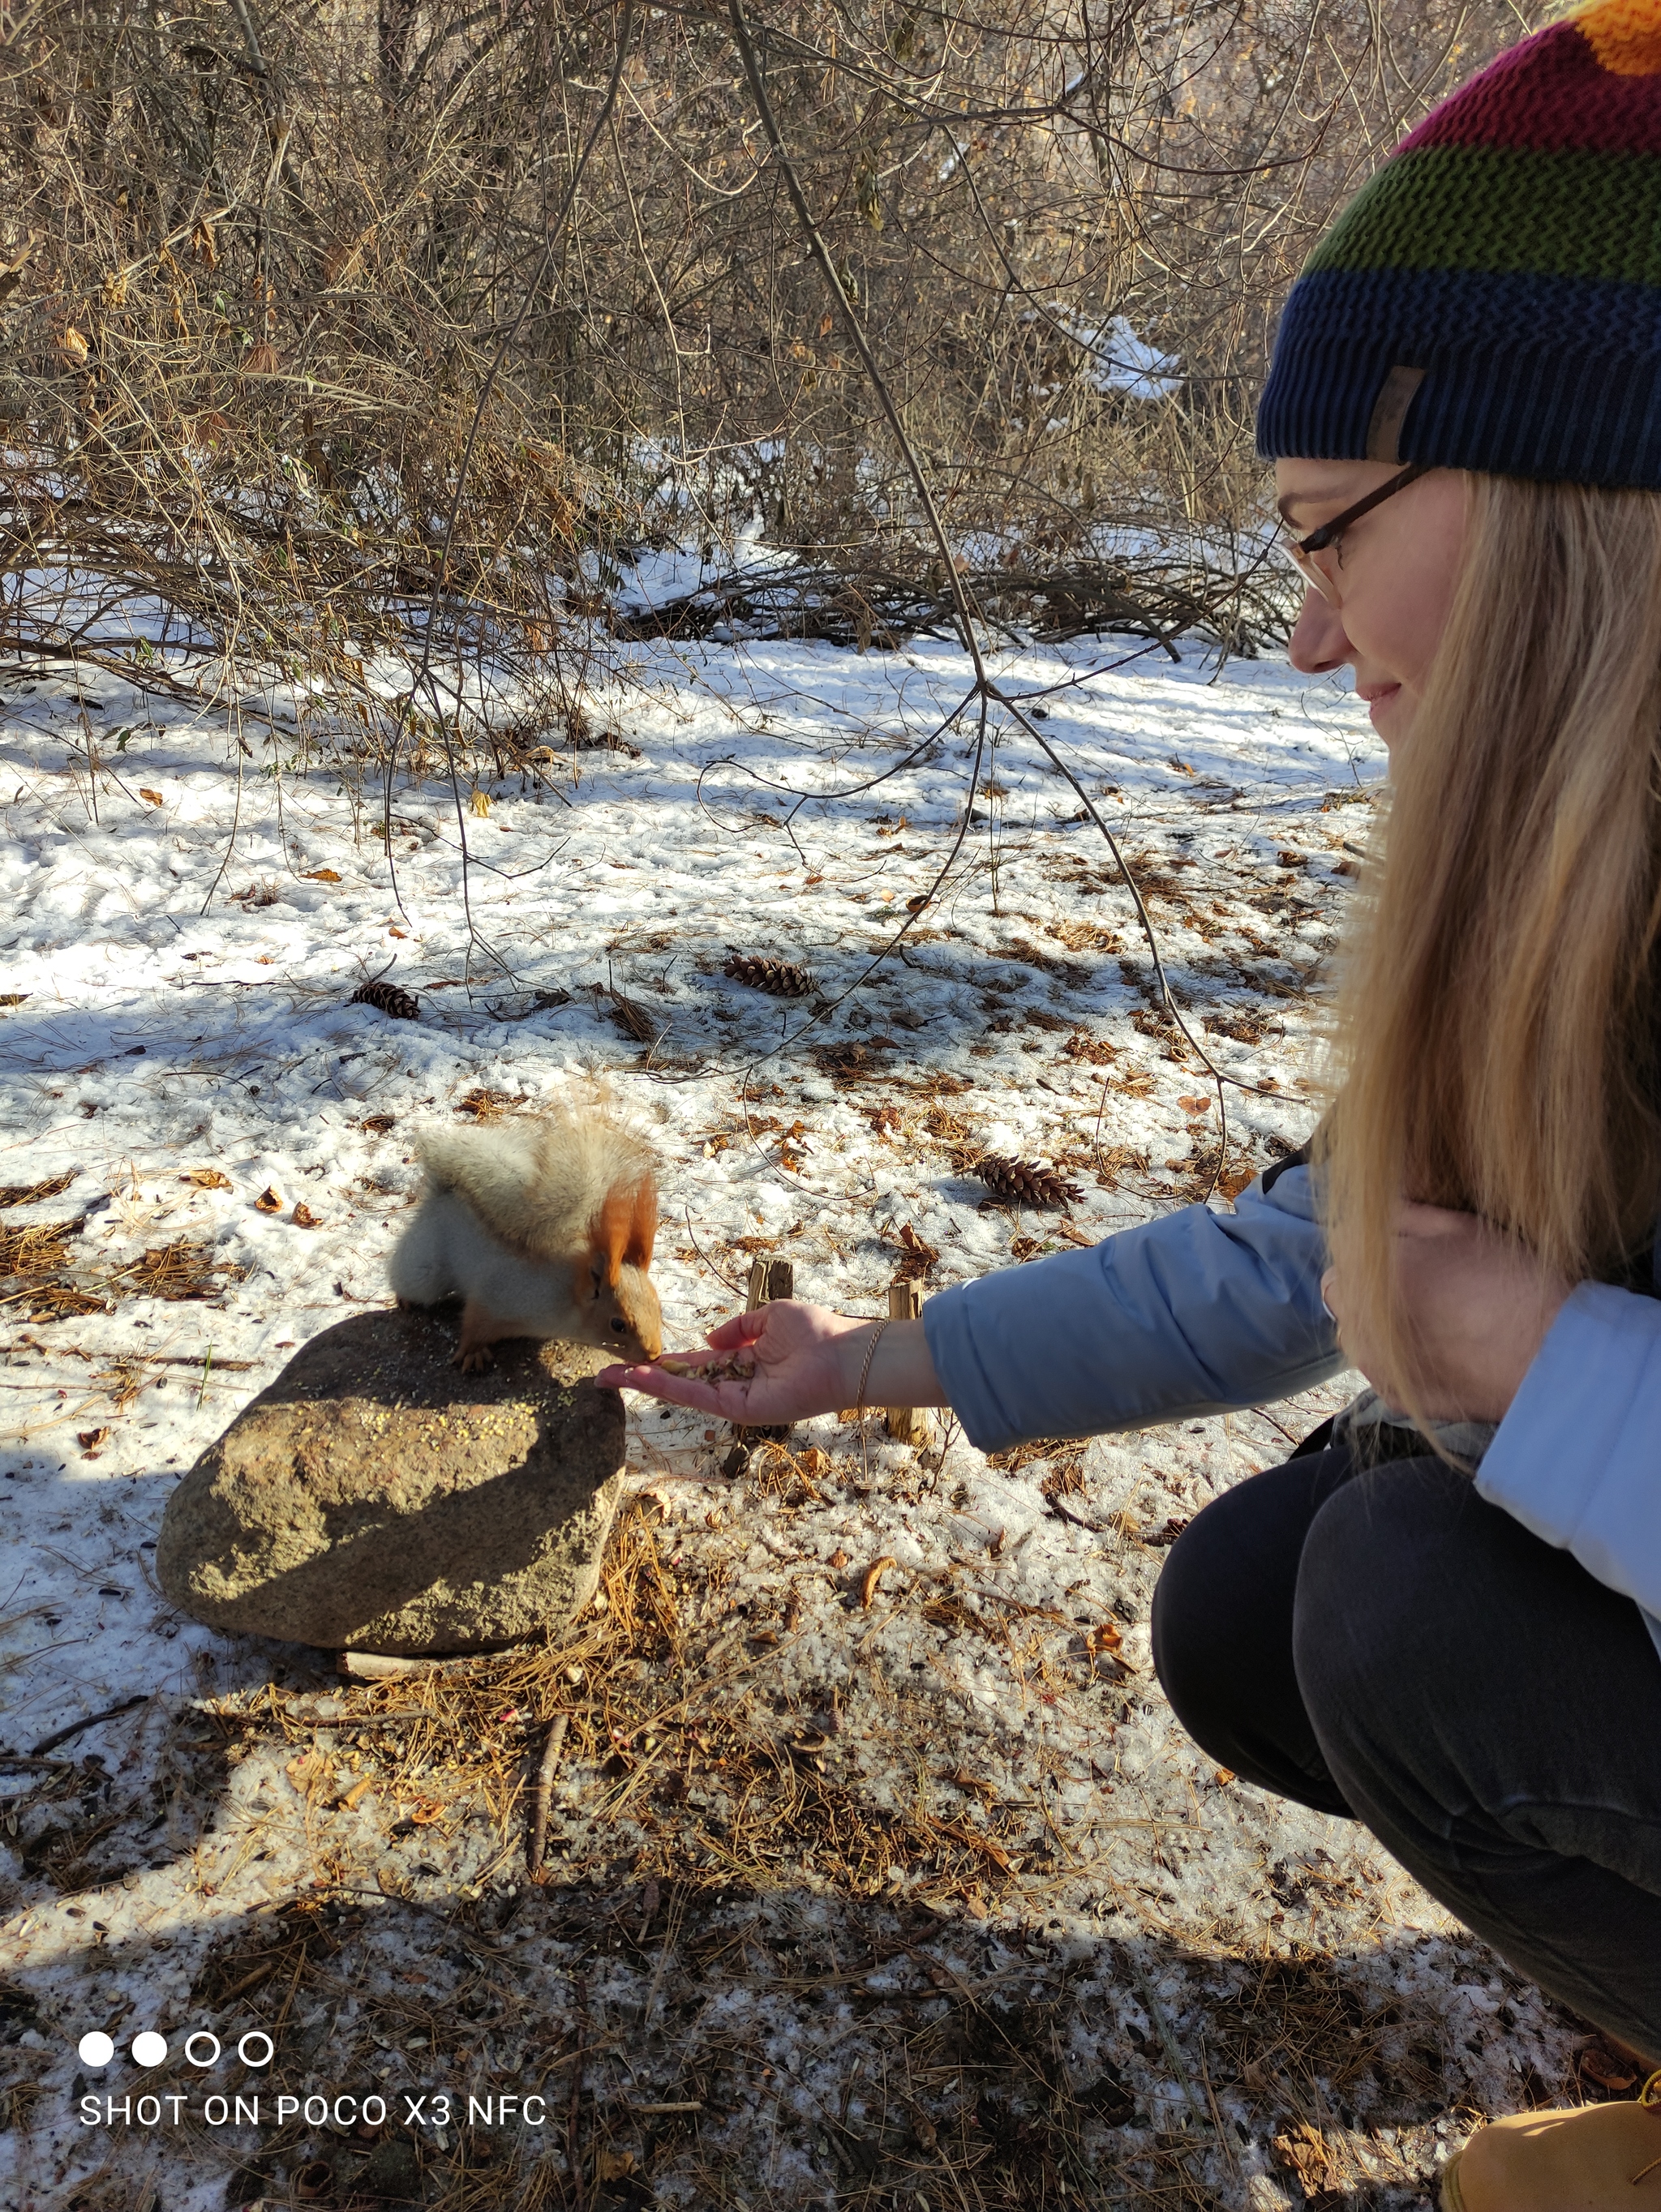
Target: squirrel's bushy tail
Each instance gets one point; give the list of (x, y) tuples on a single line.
[(542, 1185)]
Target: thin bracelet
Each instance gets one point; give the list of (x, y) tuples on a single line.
[(870, 1354)]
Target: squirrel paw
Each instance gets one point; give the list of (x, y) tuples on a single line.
[(474, 1359)]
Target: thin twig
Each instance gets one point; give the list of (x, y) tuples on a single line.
[(543, 1791), (966, 609), (79, 1728)]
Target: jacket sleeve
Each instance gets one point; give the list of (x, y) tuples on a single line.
[(1194, 1313), (1578, 1457)]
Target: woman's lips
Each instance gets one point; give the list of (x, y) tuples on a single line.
[(1379, 697)]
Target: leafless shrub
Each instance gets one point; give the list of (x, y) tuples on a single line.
[(299, 365)]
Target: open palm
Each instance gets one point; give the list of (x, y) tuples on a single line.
[(804, 1366)]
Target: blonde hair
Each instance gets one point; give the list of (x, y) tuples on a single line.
[(1496, 1022)]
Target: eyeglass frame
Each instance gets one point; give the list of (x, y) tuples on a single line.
[(1302, 550)]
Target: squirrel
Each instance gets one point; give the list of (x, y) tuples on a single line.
[(544, 1228)]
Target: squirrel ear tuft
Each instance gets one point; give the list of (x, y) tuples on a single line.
[(642, 1224), (608, 1238)]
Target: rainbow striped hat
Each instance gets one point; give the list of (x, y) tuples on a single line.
[(1492, 299)]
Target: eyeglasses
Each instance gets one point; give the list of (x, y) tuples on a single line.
[(1308, 552)]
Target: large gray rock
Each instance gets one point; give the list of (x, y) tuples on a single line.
[(373, 1498)]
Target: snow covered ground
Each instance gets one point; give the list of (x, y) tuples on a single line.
[(1230, 2000)]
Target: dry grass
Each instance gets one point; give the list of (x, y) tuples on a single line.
[(37, 1248), (185, 1267), (55, 1286), (36, 1194)]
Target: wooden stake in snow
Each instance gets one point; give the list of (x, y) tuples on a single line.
[(769, 1279), (908, 1425)]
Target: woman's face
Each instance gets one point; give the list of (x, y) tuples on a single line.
[(1397, 571)]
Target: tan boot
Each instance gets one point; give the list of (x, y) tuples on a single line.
[(1597, 2159)]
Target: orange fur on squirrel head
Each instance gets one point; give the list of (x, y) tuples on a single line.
[(620, 1239), (623, 1231)]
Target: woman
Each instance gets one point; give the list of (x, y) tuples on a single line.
[(1442, 1616)]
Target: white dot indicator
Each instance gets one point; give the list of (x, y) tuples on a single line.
[(149, 2049), (95, 2050)]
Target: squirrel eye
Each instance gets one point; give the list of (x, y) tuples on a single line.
[(620, 1327)]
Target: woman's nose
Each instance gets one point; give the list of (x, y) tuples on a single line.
[(1318, 641)]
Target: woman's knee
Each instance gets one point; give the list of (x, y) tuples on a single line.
[(1202, 1618), (1222, 1628), (1373, 1581), (1395, 1634)]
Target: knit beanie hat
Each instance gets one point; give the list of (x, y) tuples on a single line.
[(1492, 299)]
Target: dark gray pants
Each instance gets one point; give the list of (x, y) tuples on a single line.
[(1377, 1641)]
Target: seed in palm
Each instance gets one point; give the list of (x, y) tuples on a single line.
[(780, 979), (1026, 1182), (387, 999)]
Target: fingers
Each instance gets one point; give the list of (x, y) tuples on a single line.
[(674, 1389), (740, 1329), (726, 1398)]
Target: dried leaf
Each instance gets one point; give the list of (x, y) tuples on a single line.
[(480, 802), (92, 1441), (321, 876), (425, 1811), (150, 798), (1304, 2151), (872, 1574), (1105, 1640), (962, 1779), (306, 1771), (377, 1124), (919, 1256), (977, 1842), (303, 1216), (73, 346), (206, 1178), (270, 1200), (1607, 2068)]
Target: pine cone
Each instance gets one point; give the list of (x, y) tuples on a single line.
[(780, 979), (1026, 1182), (388, 998)]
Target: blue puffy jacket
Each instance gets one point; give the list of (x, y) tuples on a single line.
[(1204, 1313)]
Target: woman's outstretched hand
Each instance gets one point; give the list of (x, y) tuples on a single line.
[(800, 1356), (803, 1360), (1478, 1305)]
